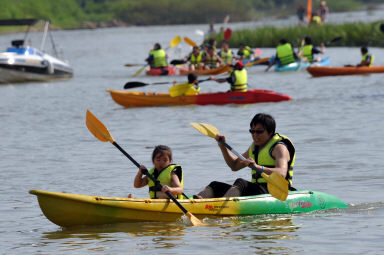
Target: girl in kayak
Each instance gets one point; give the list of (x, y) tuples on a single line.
[(169, 175), (269, 152)]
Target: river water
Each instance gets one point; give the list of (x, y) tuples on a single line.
[(336, 124)]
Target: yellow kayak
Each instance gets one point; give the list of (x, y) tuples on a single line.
[(67, 210)]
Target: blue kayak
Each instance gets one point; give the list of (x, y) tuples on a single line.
[(297, 66)]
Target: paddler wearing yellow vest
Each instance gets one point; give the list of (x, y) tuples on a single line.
[(307, 50), (157, 57), (195, 59), (284, 54), (269, 152), (226, 53), (367, 59), (169, 175), (238, 78)]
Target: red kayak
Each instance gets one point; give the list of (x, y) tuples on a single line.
[(141, 99), (168, 70)]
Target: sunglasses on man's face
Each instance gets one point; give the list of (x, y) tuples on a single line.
[(259, 131)]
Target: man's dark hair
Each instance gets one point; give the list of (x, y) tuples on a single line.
[(266, 120)]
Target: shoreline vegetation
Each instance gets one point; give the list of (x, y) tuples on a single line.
[(91, 14), (353, 35)]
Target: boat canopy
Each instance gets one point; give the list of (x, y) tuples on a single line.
[(19, 22)]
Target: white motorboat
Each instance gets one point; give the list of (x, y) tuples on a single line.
[(24, 63)]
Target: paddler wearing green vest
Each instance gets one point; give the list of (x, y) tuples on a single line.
[(367, 59), (268, 152), (169, 175), (157, 57), (284, 54), (238, 78), (307, 51)]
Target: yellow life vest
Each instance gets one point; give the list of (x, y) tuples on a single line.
[(187, 89), (226, 56), (241, 80), (159, 58), (365, 58), (211, 61), (165, 179), (307, 52), (196, 60), (264, 157), (285, 54)]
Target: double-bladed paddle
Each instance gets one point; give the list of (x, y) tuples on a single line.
[(189, 41), (136, 84), (262, 60), (175, 41), (277, 185), (97, 128)]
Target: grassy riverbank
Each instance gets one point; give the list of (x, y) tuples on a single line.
[(354, 34), (74, 14)]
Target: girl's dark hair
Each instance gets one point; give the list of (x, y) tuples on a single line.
[(162, 149), (266, 120)]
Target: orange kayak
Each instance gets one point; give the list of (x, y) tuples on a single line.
[(169, 70), (215, 71), (142, 99), (318, 71)]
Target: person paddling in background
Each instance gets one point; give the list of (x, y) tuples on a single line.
[(244, 52), (238, 78), (170, 176), (195, 59), (211, 59), (226, 53), (307, 50), (284, 54), (157, 58), (367, 59), (269, 152)]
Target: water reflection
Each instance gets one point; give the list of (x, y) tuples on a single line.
[(163, 235)]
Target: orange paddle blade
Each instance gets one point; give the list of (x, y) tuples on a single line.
[(97, 128)]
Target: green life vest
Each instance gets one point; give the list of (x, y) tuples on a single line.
[(365, 58), (264, 157), (307, 52), (196, 60), (241, 80), (285, 54), (159, 58), (226, 56), (165, 179)]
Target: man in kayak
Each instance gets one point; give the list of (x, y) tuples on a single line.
[(367, 59), (244, 52), (284, 54), (226, 53), (157, 58), (170, 176), (307, 50), (269, 152), (238, 78)]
